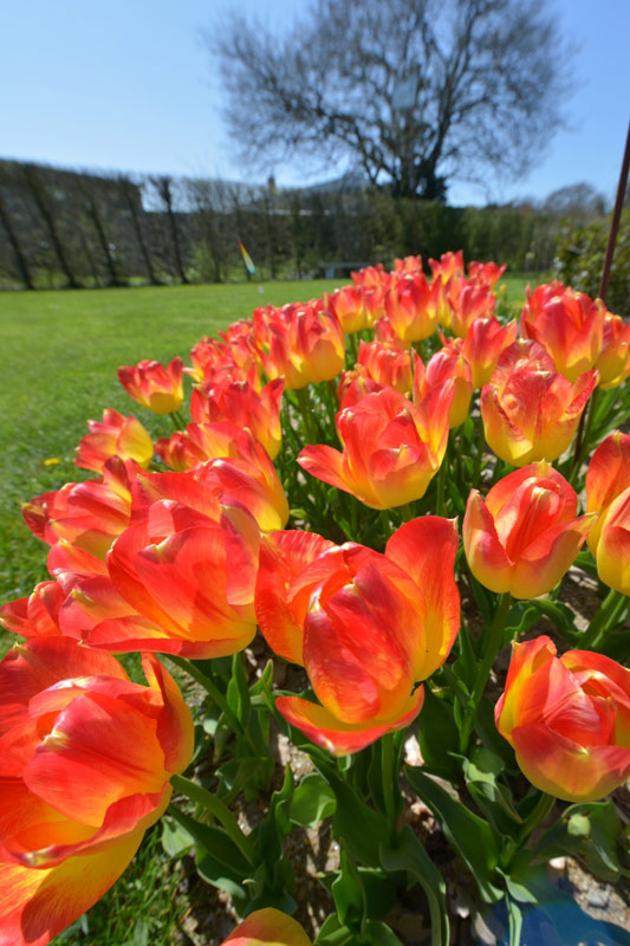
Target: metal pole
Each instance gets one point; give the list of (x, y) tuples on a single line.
[(616, 217)]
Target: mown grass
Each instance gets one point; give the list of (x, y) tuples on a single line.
[(60, 354)]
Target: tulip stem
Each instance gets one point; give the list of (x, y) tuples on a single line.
[(608, 614), (218, 809), (583, 433), (178, 421), (441, 476), (306, 410), (491, 643), (388, 770), (538, 814)]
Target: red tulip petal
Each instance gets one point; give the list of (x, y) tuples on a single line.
[(561, 767), (340, 738)]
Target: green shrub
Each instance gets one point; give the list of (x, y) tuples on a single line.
[(580, 260)]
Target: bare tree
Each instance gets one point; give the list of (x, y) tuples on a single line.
[(414, 92), (37, 188), (164, 188), (132, 196), (14, 240)]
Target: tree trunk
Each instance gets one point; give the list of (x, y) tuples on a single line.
[(95, 217), (135, 219), (20, 258), (37, 193)]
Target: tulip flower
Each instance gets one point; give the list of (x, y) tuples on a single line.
[(468, 301), (391, 448), (348, 306), (37, 615), (114, 436), (302, 344), (568, 325), (529, 412), (409, 265), (388, 365), (483, 345), (568, 719), (487, 274), (153, 385), (447, 364), (87, 516), (268, 927), (450, 264), (365, 625), (354, 386), (240, 404), (525, 535), (613, 544), (185, 450), (371, 276), (613, 363), (180, 581), (607, 476), (410, 308), (87, 760)]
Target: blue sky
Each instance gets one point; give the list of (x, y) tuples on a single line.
[(127, 84)]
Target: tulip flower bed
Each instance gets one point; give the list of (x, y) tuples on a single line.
[(364, 502)]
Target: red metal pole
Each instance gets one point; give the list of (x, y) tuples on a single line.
[(616, 217)]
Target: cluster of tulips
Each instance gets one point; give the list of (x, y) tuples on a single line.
[(315, 495)]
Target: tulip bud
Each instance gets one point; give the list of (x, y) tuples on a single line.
[(483, 345), (568, 719), (529, 412), (607, 476), (268, 927), (154, 386), (365, 625), (568, 325), (114, 436), (391, 448), (525, 535)]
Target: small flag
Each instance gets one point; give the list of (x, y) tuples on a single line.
[(247, 260)]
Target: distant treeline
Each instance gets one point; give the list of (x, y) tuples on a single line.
[(61, 228)]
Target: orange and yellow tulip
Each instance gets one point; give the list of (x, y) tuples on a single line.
[(483, 344), (525, 535), (568, 325), (36, 615), (529, 411), (391, 448), (487, 274), (114, 436), (568, 719), (268, 927), (389, 365), (240, 404), (87, 760), (354, 386), (468, 301), (449, 264), (158, 387), (607, 476), (180, 580), (447, 364), (348, 306), (613, 363), (410, 308), (613, 544), (365, 625), (83, 519)]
